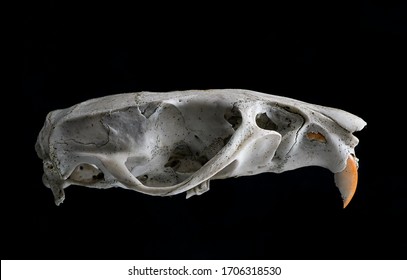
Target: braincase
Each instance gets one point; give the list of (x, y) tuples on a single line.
[(79, 138)]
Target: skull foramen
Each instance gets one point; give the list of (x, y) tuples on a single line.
[(167, 143)]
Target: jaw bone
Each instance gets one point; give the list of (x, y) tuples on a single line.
[(169, 143)]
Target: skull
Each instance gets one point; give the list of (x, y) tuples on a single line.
[(168, 143)]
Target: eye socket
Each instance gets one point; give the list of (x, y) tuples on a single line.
[(264, 122), (86, 173), (316, 136), (280, 119)]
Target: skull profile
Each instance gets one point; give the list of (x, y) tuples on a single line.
[(168, 143)]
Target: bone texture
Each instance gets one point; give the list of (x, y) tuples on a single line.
[(169, 143)]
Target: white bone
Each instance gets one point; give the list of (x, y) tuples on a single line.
[(169, 143)]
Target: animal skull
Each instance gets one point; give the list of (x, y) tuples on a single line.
[(168, 143)]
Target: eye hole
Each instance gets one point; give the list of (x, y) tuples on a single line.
[(86, 173), (316, 136), (264, 122)]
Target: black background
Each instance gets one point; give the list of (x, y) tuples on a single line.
[(351, 57)]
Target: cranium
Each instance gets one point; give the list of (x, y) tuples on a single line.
[(168, 143)]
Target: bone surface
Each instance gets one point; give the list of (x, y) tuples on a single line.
[(173, 142)]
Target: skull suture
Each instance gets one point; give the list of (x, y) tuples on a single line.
[(168, 143)]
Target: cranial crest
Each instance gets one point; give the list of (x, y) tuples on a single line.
[(168, 143)]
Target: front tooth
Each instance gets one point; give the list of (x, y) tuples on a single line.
[(347, 180)]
